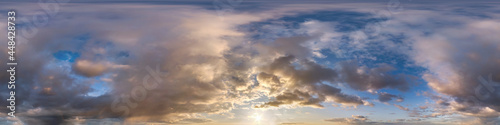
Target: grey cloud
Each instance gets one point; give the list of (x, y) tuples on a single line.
[(433, 115), (210, 66), (385, 97), (401, 107), (197, 120), (364, 78), (310, 76), (353, 120), (297, 97), (359, 117), (299, 72), (53, 91), (467, 71), (207, 61), (336, 96)]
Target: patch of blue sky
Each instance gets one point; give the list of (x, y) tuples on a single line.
[(8, 121), (474, 10), (64, 67), (65, 55), (384, 111), (71, 53), (63, 63), (77, 45), (123, 54), (286, 26), (387, 112), (350, 21), (99, 88), (381, 112), (83, 37), (97, 84), (270, 30), (330, 58), (78, 41)]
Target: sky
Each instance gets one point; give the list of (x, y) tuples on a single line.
[(254, 62)]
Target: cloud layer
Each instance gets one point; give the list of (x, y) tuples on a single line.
[(173, 63)]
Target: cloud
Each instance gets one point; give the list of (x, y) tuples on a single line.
[(364, 78), (302, 85), (463, 63), (197, 120), (461, 59), (199, 75), (354, 119), (209, 63), (385, 97), (401, 107), (212, 65), (423, 107), (89, 69)]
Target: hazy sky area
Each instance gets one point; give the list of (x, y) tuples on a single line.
[(253, 62)]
